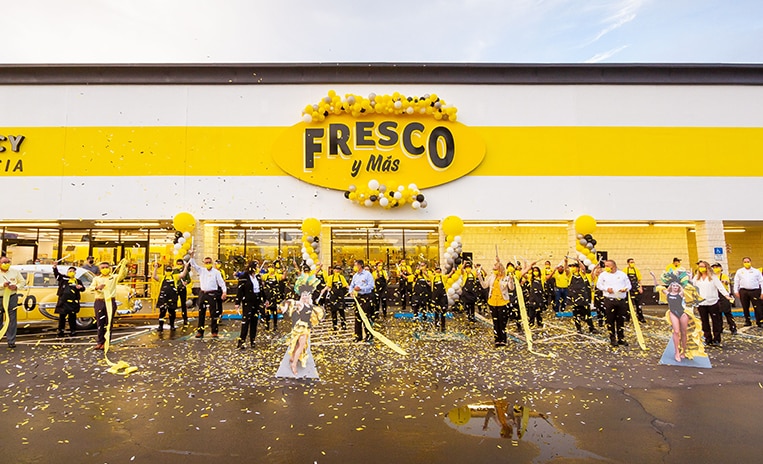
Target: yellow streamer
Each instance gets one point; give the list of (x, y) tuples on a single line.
[(392, 345), (636, 325), (525, 322), (121, 367), (7, 317)]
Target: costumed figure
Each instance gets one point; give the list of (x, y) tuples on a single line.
[(298, 361), (68, 305), (674, 285)]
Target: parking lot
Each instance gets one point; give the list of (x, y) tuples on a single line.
[(194, 400)]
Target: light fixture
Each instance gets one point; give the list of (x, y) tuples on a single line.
[(732, 231), (667, 224), (30, 224), (126, 224), (623, 224), (488, 224), (220, 224), (541, 224)]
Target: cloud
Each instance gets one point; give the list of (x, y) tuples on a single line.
[(605, 55), (625, 12)]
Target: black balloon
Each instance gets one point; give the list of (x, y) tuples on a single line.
[(593, 241), (316, 240), (373, 198), (588, 237), (457, 261), (420, 197), (347, 194)]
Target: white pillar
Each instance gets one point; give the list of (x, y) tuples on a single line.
[(711, 243)]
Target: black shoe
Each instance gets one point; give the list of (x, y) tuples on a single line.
[(172, 328), (240, 344), (622, 342), (612, 342), (73, 334), (747, 324), (199, 334), (60, 334), (593, 331), (733, 331), (251, 343), (11, 345), (160, 329), (642, 320)]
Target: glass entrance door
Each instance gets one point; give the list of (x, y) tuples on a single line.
[(20, 251)]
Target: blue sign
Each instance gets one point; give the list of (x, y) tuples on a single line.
[(718, 250)]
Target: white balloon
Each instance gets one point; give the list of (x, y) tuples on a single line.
[(416, 205), (186, 235), (457, 238), (456, 286), (592, 267), (373, 184), (181, 240), (368, 203), (449, 250), (447, 255), (307, 118), (383, 201), (424, 204), (587, 262), (177, 246), (313, 267), (401, 188), (310, 262), (456, 297), (398, 195), (451, 291), (352, 188), (412, 187)]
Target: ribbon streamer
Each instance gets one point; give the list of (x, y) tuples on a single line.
[(636, 325), (121, 367), (7, 316), (525, 322), (392, 345)]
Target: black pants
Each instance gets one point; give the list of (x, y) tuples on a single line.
[(636, 299), (208, 300), (381, 305), (404, 291), (615, 311), (62, 319), (102, 318), (164, 308), (581, 314), (725, 306), (183, 295), (534, 316), (498, 313), (250, 316), (336, 306), (360, 329), (468, 307), (712, 323), (746, 297)]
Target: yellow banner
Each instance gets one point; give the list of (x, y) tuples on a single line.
[(510, 151)]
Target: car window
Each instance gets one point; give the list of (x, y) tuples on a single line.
[(44, 279), (86, 278)]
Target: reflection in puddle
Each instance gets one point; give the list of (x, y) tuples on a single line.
[(504, 420)]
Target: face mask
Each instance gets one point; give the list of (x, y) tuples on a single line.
[(208, 266), (717, 270), (631, 265), (536, 274), (609, 269), (178, 267), (218, 265), (5, 266), (105, 271), (510, 269), (495, 272), (703, 269), (747, 265), (70, 274)]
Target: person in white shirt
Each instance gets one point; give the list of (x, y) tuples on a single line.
[(748, 283), (615, 286), (709, 286), (11, 281), (211, 283)]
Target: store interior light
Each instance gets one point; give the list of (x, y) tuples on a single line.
[(220, 224), (623, 224), (667, 224), (127, 224), (731, 231), (488, 224), (541, 224), (30, 224)]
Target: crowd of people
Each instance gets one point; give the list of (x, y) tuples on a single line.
[(502, 292)]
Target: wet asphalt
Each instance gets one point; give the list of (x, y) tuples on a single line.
[(203, 400)]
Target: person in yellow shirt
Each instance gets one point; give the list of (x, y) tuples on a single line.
[(404, 283), (11, 281), (422, 291), (634, 275), (167, 302), (335, 291), (271, 282), (498, 285), (439, 300), (105, 288), (471, 288), (561, 281)]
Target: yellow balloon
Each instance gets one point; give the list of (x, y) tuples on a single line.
[(311, 226), (452, 225), (184, 222), (585, 224)]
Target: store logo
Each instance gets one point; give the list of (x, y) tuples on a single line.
[(343, 150)]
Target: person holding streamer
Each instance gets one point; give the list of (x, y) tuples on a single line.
[(211, 283), (362, 287), (498, 285), (11, 281), (167, 302), (105, 288), (183, 283), (68, 305), (615, 286), (709, 288), (335, 290)]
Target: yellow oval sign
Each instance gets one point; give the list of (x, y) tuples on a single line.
[(344, 150)]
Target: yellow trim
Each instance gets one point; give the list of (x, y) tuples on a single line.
[(511, 151)]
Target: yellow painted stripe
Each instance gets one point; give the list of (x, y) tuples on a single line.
[(511, 151)]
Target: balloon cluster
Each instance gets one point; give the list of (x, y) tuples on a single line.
[(311, 230), (397, 104), (184, 223), (386, 195), (586, 244), (453, 226)]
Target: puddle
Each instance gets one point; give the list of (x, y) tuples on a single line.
[(519, 424)]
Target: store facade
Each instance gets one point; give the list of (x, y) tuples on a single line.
[(98, 160)]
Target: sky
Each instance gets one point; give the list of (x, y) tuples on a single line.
[(333, 31)]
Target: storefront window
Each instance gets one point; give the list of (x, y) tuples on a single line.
[(232, 250), (161, 247), (47, 245), (347, 245), (421, 245), (261, 244), (291, 252), (76, 247), (385, 245), (20, 245)]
